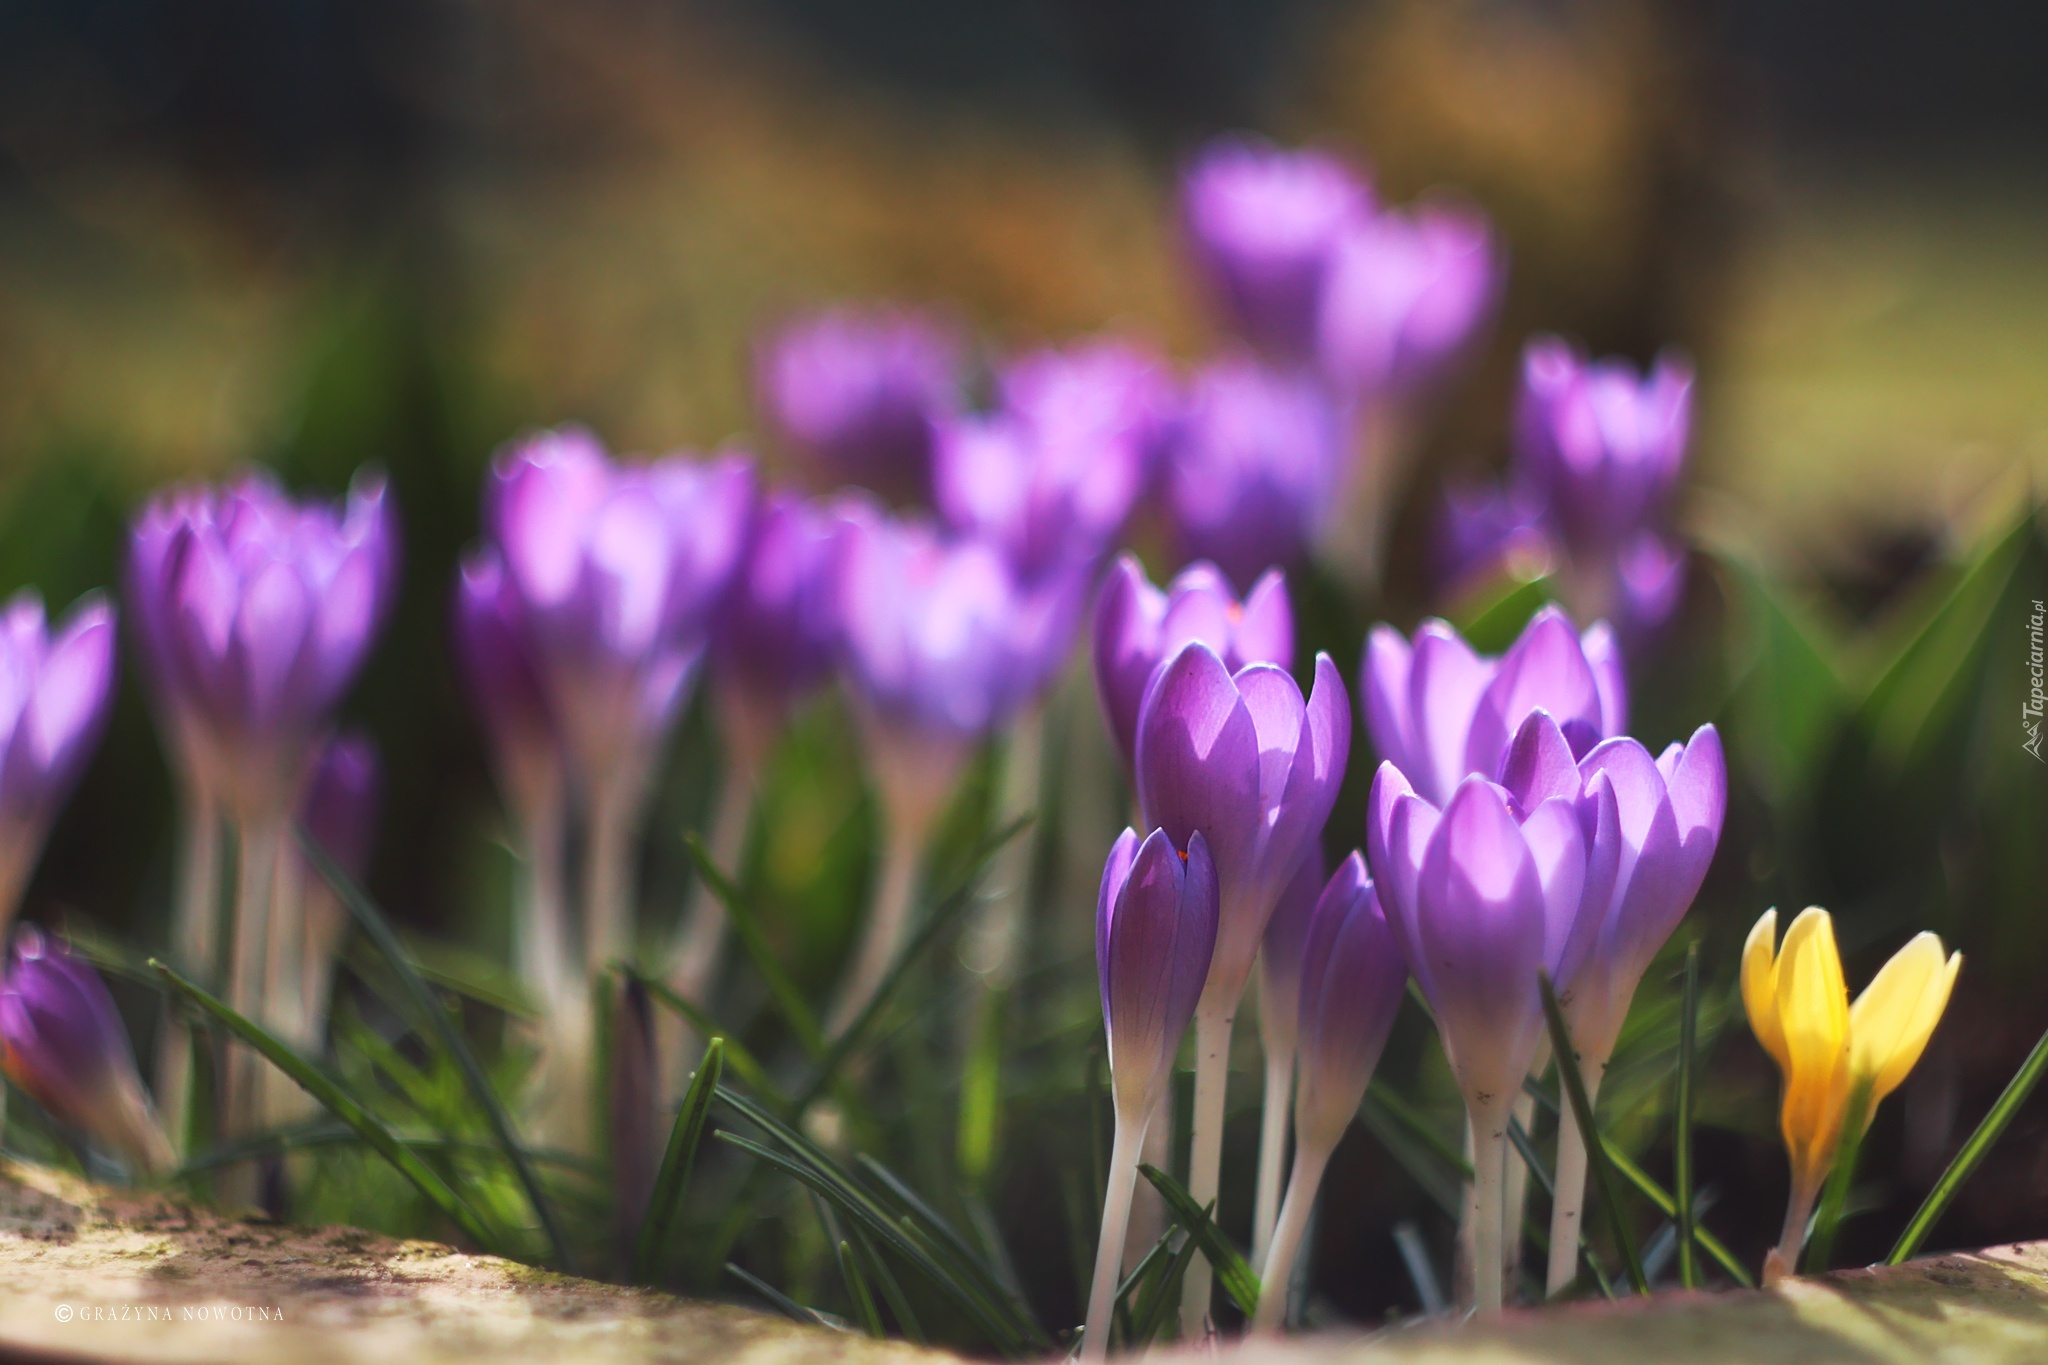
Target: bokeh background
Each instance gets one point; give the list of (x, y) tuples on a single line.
[(317, 234)]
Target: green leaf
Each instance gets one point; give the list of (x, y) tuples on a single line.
[(1437, 1170), (899, 1302), (308, 1138), (1972, 1154), (857, 1290), (1491, 623), (1596, 1147), (1233, 1272), (665, 1206), (744, 1064), (1668, 1206), (1820, 1248), (373, 924), (739, 912), (1791, 699), (993, 1277), (1154, 1308), (788, 1307), (1681, 1119), (338, 1102)]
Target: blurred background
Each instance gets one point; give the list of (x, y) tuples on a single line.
[(317, 234)]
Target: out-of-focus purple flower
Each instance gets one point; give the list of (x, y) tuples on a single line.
[(1053, 474), (1483, 529), (1263, 224), (1351, 979), (1650, 827), (1251, 468), (1602, 447), (1137, 628), (54, 695), (1155, 929), (1437, 710), (339, 810), (1649, 576), (1407, 293), (619, 572), (1280, 957), (62, 1042), (504, 681), (856, 391), (1242, 759), (780, 628), (254, 611)]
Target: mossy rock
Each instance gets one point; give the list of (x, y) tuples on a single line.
[(87, 1273)]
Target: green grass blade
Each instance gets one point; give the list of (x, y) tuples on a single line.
[(784, 1304), (1972, 1154), (665, 1205), (995, 1279), (1233, 1272), (1681, 1119), (1668, 1206), (1596, 1147), (338, 1102), (745, 1065), (892, 1291), (857, 1290), (739, 913), (1406, 1115), (1417, 1150), (282, 1142), (1519, 1136), (1155, 1308), (1834, 1199), (374, 926)]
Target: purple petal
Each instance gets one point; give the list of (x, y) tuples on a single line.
[(1539, 765), (1351, 989), (1198, 763), (1445, 684)]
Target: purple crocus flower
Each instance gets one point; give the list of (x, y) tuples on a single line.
[(1137, 628), (504, 682), (1263, 224), (253, 612), (1242, 759), (1482, 529), (1406, 294), (776, 639), (855, 392), (62, 1042), (1155, 930), (54, 695), (619, 572), (1252, 466), (1601, 447), (1649, 580), (339, 810), (1438, 710), (1053, 474)]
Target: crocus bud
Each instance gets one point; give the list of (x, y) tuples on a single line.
[(1827, 1048), (1601, 447), (1244, 761), (1280, 957), (339, 811), (1051, 476), (855, 393), (254, 612), (776, 638), (54, 695), (619, 572), (62, 1042), (504, 682), (1251, 468), (1137, 628), (1649, 582), (1155, 929), (1406, 294), (1263, 224), (1438, 710), (1352, 977)]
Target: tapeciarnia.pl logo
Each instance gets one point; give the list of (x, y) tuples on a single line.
[(2037, 695)]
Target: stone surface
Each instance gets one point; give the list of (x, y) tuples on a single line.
[(90, 1274)]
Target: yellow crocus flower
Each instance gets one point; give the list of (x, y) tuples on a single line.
[(1829, 1050)]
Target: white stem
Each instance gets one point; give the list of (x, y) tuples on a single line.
[(1205, 1154), (1272, 1149), (1516, 1202), (1784, 1258), (608, 874), (259, 840), (284, 973), (1489, 1162), (195, 932), (882, 938), (1116, 1217), (1568, 1192), (547, 959), (1148, 1211), (1276, 1268)]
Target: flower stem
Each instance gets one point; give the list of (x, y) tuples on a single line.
[(608, 873), (1568, 1203), (882, 939), (1205, 1154), (1148, 1210), (1272, 1149), (1489, 1169), (1784, 1258), (195, 933), (259, 842), (1276, 1267), (1116, 1217)]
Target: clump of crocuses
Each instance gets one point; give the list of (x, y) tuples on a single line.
[(61, 1040)]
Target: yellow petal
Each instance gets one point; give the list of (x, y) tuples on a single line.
[(1760, 987), (1891, 1021), (1813, 1011)]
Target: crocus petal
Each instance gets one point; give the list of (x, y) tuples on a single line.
[(1891, 1021), (1116, 870), (1265, 628), (1280, 956), (1546, 667), (1813, 1012), (1199, 761), (1538, 766), (1445, 684), (1351, 987), (1760, 987)]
